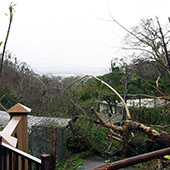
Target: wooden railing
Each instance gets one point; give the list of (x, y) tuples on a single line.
[(14, 159), (14, 143)]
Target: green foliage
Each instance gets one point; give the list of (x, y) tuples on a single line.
[(152, 165), (99, 134), (167, 157), (89, 136), (73, 162), (164, 84), (11, 11), (41, 93), (157, 116), (8, 99), (93, 91), (140, 86)]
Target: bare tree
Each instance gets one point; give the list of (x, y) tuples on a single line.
[(150, 38)]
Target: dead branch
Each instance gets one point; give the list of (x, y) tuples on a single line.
[(111, 118), (154, 87), (141, 127), (110, 126), (78, 80), (162, 127), (77, 106), (157, 82), (129, 125), (164, 44), (124, 28), (115, 134), (116, 138), (3, 107)]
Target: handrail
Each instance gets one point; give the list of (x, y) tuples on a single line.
[(21, 153)]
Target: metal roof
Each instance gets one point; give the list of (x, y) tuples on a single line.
[(36, 120)]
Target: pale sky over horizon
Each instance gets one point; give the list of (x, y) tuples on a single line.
[(67, 36)]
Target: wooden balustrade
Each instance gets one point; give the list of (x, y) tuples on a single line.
[(9, 159), (14, 143)]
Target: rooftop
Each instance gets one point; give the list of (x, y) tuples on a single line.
[(36, 120)]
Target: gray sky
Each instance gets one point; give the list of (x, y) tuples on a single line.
[(67, 36)]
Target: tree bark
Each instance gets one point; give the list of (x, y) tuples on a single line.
[(162, 138)]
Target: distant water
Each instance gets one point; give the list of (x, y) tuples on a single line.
[(72, 75)]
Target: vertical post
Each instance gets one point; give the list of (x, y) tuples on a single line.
[(21, 131), (20, 112), (45, 162), (53, 149)]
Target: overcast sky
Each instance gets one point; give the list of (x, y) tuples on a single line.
[(67, 36)]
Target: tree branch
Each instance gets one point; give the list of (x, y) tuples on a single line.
[(164, 44)]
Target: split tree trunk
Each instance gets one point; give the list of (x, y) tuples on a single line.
[(162, 138)]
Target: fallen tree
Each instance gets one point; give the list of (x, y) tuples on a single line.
[(126, 132), (162, 138)]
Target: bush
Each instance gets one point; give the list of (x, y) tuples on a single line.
[(8, 100)]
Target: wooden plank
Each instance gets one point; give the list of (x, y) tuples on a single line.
[(10, 140), (23, 163), (5, 159), (10, 160), (16, 162), (12, 125)]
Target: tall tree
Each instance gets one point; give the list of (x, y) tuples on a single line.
[(152, 40)]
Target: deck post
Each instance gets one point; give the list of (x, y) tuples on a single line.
[(19, 113), (45, 162), (21, 132)]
